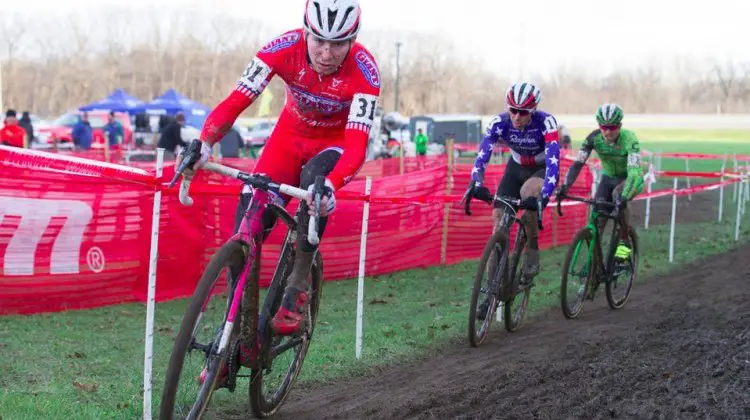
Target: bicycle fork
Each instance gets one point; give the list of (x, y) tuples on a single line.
[(250, 233), (588, 269)]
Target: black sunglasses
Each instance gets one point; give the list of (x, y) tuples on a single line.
[(521, 112)]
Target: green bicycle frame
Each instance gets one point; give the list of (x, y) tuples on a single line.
[(592, 226)]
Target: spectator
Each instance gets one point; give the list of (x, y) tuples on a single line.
[(82, 132), (25, 123), (171, 137), (230, 144), (420, 141), (142, 130), (164, 121), (12, 134), (565, 139), (113, 131)]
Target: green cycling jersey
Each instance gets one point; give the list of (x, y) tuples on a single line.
[(616, 157), (621, 159)]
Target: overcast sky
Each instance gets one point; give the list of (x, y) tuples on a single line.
[(512, 37)]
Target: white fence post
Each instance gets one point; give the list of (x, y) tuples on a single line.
[(734, 167), (650, 179), (721, 189), (658, 162), (148, 359), (361, 280), (737, 222), (671, 228), (687, 178)]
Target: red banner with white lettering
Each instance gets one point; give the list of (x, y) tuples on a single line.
[(76, 233)]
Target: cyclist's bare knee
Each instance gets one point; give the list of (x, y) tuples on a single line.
[(531, 188)]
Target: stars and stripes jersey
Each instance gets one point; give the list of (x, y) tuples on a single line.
[(537, 143), (338, 108)]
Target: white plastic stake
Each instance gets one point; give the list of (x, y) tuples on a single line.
[(361, 280), (687, 178), (650, 179), (734, 191), (737, 222), (149, 351), (674, 214), (721, 190)]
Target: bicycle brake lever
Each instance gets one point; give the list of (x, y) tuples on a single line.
[(312, 235), (559, 199), (467, 203), (189, 157), (540, 212)]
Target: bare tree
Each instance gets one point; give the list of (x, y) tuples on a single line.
[(53, 71)]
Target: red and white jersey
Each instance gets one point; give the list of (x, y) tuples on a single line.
[(339, 107)]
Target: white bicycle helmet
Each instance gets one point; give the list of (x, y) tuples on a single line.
[(332, 20), (523, 96)]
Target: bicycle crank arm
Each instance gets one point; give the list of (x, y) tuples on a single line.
[(294, 342)]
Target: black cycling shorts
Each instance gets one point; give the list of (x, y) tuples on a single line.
[(606, 187), (514, 177)]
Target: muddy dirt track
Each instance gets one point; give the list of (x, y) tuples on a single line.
[(679, 349)]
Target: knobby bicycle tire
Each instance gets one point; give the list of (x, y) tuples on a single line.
[(617, 304), (260, 406), (513, 322), (477, 336), (232, 255), (582, 235)]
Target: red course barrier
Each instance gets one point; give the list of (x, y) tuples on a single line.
[(75, 233)]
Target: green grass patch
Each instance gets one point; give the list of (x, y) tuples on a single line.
[(704, 138), (89, 364)]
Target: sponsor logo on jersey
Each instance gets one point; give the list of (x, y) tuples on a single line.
[(280, 43), (307, 102), (368, 67), (530, 141)]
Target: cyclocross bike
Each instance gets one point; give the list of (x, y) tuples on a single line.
[(208, 342), (496, 280), (586, 267)]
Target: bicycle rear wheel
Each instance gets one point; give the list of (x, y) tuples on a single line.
[(493, 263), (268, 391), (622, 276), (576, 272), (182, 403)]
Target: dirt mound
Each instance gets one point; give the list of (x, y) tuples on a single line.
[(679, 349)]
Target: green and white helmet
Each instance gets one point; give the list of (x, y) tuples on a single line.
[(609, 114)]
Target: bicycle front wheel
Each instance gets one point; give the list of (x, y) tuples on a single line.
[(515, 307), (577, 269), (195, 347), (270, 386), (621, 279), (490, 272)]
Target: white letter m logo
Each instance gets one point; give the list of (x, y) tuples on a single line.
[(36, 215)]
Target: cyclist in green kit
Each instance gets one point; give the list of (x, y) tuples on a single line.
[(620, 154)]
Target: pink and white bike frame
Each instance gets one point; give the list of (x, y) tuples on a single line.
[(249, 232)]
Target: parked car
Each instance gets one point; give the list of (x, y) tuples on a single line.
[(62, 127), (259, 133)]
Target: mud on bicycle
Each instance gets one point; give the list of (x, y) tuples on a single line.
[(206, 354), (498, 278)]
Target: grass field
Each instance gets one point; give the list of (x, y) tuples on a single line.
[(88, 364), (719, 142)]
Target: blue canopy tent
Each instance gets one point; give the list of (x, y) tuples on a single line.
[(117, 101), (172, 102)]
